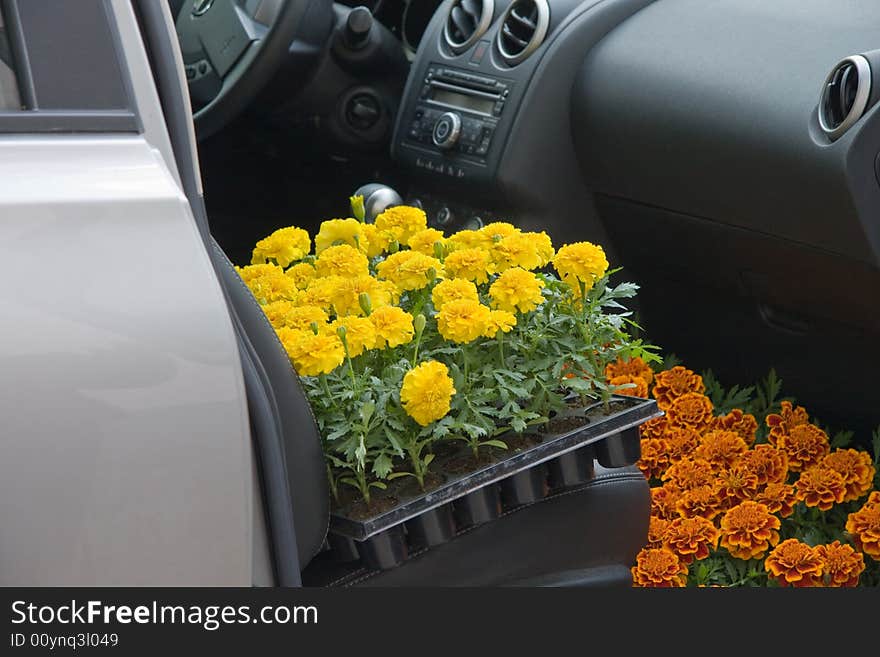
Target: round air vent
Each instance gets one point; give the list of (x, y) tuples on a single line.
[(523, 29), (845, 95), (467, 21)]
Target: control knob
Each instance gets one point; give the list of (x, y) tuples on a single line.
[(447, 130)]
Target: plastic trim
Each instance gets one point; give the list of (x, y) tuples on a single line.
[(863, 93), (537, 38), (482, 26)]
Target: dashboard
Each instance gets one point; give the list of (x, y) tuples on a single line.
[(407, 19)]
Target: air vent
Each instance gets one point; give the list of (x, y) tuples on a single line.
[(523, 29), (845, 95), (467, 21)]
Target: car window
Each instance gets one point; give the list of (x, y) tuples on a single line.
[(9, 96)]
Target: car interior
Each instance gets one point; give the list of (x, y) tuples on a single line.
[(724, 153)]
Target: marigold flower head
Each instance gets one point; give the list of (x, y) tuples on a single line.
[(636, 386), (360, 334), (864, 527), (469, 239), (273, 286), (402, 222), (682, 442), (393, 325), (702, 501), (469, 264), (343, 260), (302, 274), (499, 320), (742, 423), (526, 250), (344, 294), (663, 502), (736, 484), (673, 383), (312, 354), (767, 462), (580, 263), (691, 538), (463, 321), (855, 467), (841, 564), (377, 241), (276, 311), (322, 292), (250, 272), (409, 270), (689, 472), (424, 241), (779, 497), (334, 232), (654, 459), (805, 445), (721, 448), (792, 563), (296, 317), (284, 246), (787, 419), (453, 289), (692, 410), (653, 428), (427, 392), (659, 568), (748, 530), (517, 289), (629, 367), (498, 230), (821, 487), (656, 531)]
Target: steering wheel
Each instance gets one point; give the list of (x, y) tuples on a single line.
[(232, 48)]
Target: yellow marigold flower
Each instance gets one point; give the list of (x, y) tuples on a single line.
[(656, 530), (779, 497), (499, 320), (721, 448), (498, 230), (702, 502), (360, 334), (334, 232), (346, 292), (691, 410), (748, 530), (393, 325), (787, 419), (409, 270), (468, 239), (402, 222), (284, 246), (527, 250), (629, 367), (300, 318), (742, 423), (582, 262), (469, 264), (864, 527), (377, 241), (321, 292), (663, 502), (343, 260), (636, 386), (654, 428), (312, 354), (792, 563), (250, 272), (689, 473), (424, 241), (427, 392), (841, 564), (682, 442), (821, 487), (302, 274), (276, 311), (856, 469), (674, 383), (806, 445), (453, 289), (692, 539), (659, 568), (463, 320), (271, 287), (767, 462), (517, 289), (654, 458), (736, 484)]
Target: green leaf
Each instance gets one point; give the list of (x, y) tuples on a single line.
[(382, 466), (500, 444), (427, 460), (367, 409), (842, 439)]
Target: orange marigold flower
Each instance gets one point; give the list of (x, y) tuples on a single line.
[(691, 538), (748, 530), (640, 389), (660, 568), (653, 460), (792, 563), (689, 473), (856, 469), (682, 441), (656, 531), (779, 497), (653, 428), (841, 564), (702, 502), (721, 448), (631, 367), (806, 445), (767, 462), (821, 487), (663, 501), (692, 409), (864, 527), (742, 423), (674, 383), (736, 484), (787, 419)]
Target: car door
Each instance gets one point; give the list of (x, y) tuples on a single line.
[(125, 452)]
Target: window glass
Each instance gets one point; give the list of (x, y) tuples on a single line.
[(9, 98)]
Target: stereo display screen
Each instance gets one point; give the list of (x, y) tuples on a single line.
[(463, 101)]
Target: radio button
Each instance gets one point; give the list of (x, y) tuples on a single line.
[(447, 130)]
